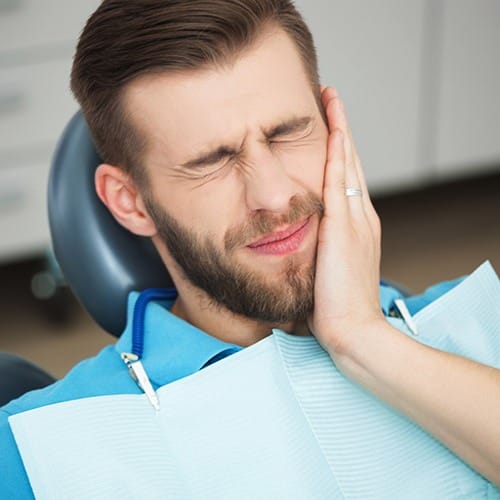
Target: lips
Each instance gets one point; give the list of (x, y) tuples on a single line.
[(279, 235), (282, 242)]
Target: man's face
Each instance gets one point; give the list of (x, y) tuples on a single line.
[(234, 160)]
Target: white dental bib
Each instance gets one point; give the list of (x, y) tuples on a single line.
[(276, 420)]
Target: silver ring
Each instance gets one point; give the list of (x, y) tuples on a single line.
[(350, 191)]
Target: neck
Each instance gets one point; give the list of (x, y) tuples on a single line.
[(221, 323)]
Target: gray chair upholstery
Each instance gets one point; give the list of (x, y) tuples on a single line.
[(101, 261), (18, 376)]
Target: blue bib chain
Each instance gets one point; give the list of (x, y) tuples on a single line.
[(133, 359)]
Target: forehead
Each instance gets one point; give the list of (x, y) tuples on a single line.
[(179, 113)]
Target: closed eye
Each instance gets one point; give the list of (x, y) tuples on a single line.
[(291, 130), (288, 138)]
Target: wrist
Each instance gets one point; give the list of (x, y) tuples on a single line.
[(345, 337), (365, 347)]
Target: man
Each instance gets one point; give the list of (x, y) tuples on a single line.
[(221, 146)]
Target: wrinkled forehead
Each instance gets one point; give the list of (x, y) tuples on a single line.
[(178, 113)]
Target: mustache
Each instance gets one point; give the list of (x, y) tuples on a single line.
[(261, 223)]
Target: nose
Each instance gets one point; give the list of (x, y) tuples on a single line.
[(268, 185)]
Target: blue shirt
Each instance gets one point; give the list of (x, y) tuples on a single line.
[(172, 349)]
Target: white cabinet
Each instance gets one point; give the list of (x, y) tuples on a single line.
[(37, 103), (25, 24), (468, 104), (37, 41), (23, 219)]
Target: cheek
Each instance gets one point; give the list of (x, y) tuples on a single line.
[(306, 165), (209, 212)]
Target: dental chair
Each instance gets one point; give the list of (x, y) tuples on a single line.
[(101, 261), (18, 375)]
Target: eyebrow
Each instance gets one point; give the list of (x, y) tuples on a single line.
[(213, 156)]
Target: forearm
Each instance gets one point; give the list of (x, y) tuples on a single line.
[(453, 398)]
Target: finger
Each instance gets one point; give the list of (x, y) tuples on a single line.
[(327, 95), (351, 176), (334, 180), (334, 112), (342, 122)]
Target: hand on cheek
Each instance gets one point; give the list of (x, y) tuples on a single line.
[(348, 255)]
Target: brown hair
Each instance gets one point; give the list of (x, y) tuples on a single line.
[(126, 39)]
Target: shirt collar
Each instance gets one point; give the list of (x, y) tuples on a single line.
[(388, 295), (173, 348)]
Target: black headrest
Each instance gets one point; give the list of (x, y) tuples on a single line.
[(18, 375), (101, 261)]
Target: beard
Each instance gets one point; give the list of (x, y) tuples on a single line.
[(231, 284)]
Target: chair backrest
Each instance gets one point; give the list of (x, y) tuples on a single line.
[(101, 261), (17, 376)]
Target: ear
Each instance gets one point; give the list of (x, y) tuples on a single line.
[(119, 193)]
